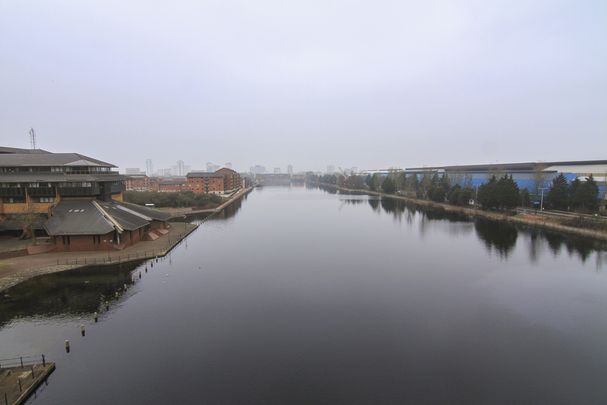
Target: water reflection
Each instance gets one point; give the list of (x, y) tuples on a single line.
[(497, 236), (228, 212), (73, 292)]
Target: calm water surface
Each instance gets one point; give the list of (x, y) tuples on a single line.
[(302, 296)]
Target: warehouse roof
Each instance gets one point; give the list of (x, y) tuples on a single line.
[(49, 159), (525, 166)]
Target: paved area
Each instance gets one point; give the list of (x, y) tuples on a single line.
[(18, 383), (17, 269)]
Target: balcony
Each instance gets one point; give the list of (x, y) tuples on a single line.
[(41, 192), (12, 192)]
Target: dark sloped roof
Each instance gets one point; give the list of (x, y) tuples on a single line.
[(77, 217), (6, 149), (49, 159), (127, 220), (56, 177), (148, 212)]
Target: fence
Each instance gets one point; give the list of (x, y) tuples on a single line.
[(110, 257), (22, 361)]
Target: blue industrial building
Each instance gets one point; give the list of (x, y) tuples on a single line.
[(532, 176)]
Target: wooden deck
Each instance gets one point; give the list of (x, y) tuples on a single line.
[(18, 383)]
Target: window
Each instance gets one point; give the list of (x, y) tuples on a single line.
[(46, 199)]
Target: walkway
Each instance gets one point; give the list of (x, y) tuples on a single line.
[(17, 269)]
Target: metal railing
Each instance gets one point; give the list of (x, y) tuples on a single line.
[(22, 361)]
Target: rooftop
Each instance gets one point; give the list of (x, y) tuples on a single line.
[(204, 174), (87, 216), (525, 166), (5, 149), (49, 159)]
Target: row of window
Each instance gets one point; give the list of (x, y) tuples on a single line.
[(55, 169), (40, 185), (21, 200)]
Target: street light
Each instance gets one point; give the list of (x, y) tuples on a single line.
[(542, 198)]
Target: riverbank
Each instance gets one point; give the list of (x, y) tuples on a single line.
[(18, 269), (191, 210), (526, 219)]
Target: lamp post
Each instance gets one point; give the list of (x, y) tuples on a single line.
[(542, 199)]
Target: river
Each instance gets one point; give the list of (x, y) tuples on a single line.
[(307, 296)]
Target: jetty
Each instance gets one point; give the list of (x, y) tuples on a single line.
[(20, 377)]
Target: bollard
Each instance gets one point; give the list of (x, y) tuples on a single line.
[(82, 331), (95, 317), (21, 360), (139, 274), (107, 306), (67, 346), (33, 375), (146, 269), (43, 361), (5, 399), (20, 388)]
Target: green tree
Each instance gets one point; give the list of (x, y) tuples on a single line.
[(439, 188), (424, 186), (375, 182), (585, 195), (454, 195), (487, 195), (508, 193), (411, 184), (388, 185), (558, 195)]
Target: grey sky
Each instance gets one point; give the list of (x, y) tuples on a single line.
[(351, 83)]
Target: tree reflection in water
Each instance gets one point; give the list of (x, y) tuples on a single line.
[(498, 236), (72, 293)]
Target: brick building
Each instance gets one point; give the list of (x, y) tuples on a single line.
[(172, 185), (207, 183), (231, 180), (141, 182), (222, 181), (76, 199)]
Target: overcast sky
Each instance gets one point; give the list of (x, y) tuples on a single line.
[(371, 84)]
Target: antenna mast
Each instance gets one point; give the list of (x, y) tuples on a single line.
[(33, 138)]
